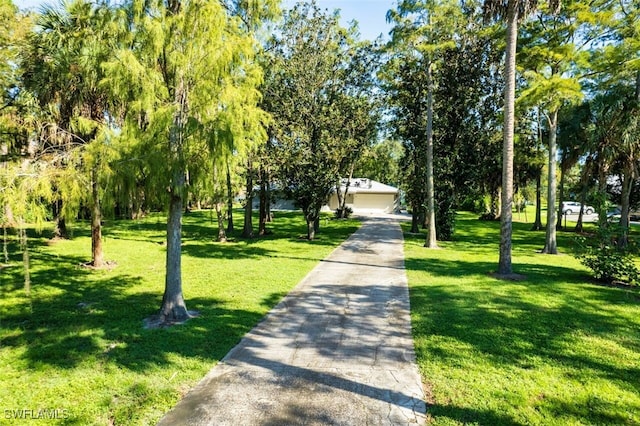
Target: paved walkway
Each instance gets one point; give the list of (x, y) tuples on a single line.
[(336, 351)]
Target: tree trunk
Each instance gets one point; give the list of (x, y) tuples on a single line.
[(96, 219), (561, 197), (187, 200), (414, 220), (537, 225), (494, 206), (584, 184), (550, 246), (229, 201), (583, 200), (311, 229), (603, 172), (60, 227), (269, 200), (24, 246), (262, 224), (5, 244), (504, 263), (431, 240), (340, 198), (222, 236), (9, 220), (627, 185), (342, 203), (173, 308), (247, 231)]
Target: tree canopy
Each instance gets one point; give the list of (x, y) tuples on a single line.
[(123, 108)]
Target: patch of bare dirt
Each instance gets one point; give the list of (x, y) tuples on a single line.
[(158, 321), (107, 265), (508, 277)]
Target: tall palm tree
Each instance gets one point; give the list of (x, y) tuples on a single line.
[(63, 69), (428, 27), (512, 11)]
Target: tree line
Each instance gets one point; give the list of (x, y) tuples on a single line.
[(129, 107), (483, 91), (122, 108)]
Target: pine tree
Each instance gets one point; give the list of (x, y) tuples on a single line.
[(190, 81)]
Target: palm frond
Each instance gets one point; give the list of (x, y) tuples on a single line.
[(497, 9)]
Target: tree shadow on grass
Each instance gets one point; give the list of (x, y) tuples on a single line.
[(461, 415), (527, 324), (593, 410), (229, 250), (199, 238), (76, 316), (469, 235)]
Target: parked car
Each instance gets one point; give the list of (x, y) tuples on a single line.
[(614, 214), (573, 207)]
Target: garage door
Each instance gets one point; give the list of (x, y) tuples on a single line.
[(374, 202)]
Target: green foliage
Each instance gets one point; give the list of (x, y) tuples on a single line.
[(17, 109), (25, 189), (445, 217), (467, 97), (381, 162), (319, 90), (551, 91), (616, 62), (13, 28), (609, 262), (346, 214), (202, 55), (467, 101), (404, 82)]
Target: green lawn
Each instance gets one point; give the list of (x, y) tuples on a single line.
[(77, 344), (554, 349)]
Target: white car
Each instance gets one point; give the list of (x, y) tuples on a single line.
[(573, 207)]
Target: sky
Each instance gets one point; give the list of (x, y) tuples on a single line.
[(370, 14)]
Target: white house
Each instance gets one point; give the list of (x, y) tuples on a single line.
[(368, 196), (363, 196)]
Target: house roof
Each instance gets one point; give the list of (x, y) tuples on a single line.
[(364, 186)]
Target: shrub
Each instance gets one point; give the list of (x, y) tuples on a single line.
[(445, 218), (609, 262), (445, 224), (473, 203), (343, 213), (611, 266)]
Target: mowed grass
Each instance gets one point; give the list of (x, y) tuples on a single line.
[(76, 343), (553, 349)]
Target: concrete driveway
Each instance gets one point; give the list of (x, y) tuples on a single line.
[(337, 350)]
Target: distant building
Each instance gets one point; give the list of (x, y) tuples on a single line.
[(368, 196), (363, 196)]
